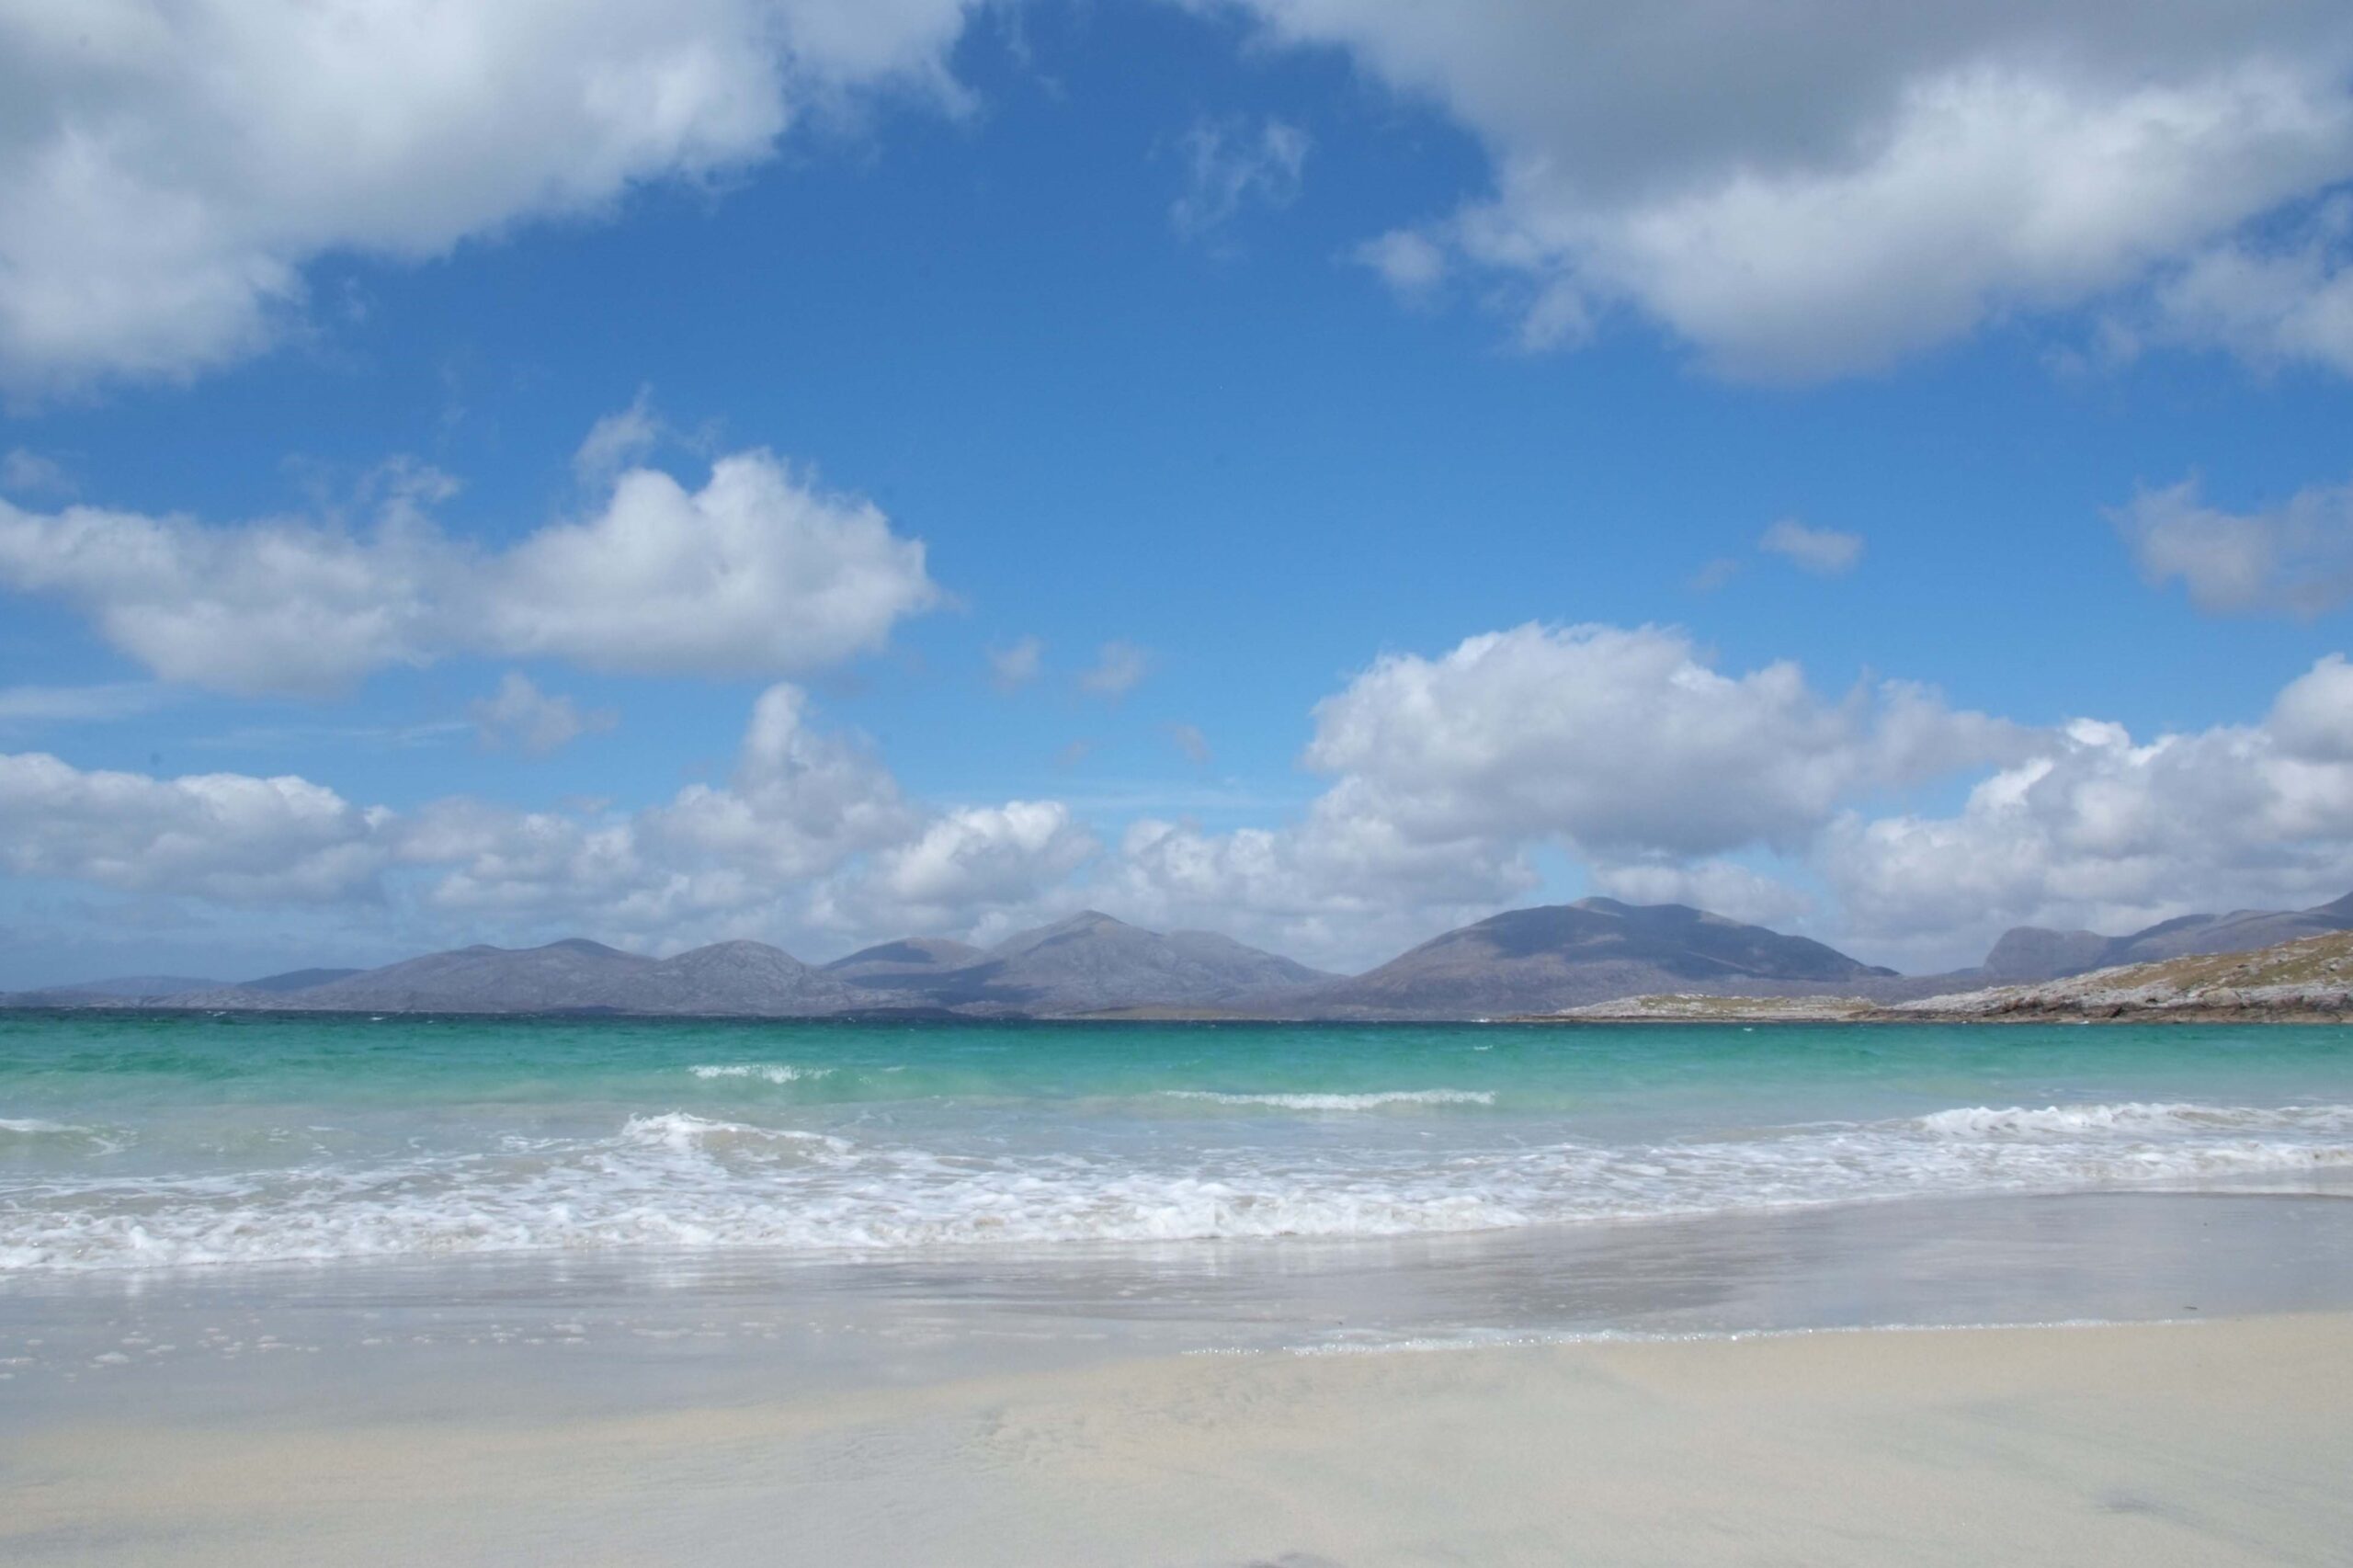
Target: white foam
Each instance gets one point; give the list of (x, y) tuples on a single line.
[(1371, 1101), (767, 1072), (2016, 1121), (672, 1179), (680, 1130)]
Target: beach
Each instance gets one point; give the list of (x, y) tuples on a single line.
[(2224, 1442), (449, 1290)]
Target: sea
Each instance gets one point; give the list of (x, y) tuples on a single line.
[(871, 1194)]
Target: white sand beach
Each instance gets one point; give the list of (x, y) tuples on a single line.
[(2211, 1443)]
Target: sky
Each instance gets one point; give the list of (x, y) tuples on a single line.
[(1323, 470)]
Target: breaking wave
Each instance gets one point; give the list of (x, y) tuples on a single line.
[(671, 1179), (767, 1072)]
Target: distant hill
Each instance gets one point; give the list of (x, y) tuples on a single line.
[(1524, 961), (1557, 956), (912, 957), (292, 980), (121, 989), (2034, 952), (1090, 962), (575, 975)]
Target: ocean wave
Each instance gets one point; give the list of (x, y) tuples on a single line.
[(1372, 1101), (677, 1180), (683, 1133), (767, 1072), (2133, 1117), (34, 1131)]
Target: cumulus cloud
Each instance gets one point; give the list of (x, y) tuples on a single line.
[(2295, 558), (1448, 775), (808, 838), (2098, 830), (1627, 742), (966, 863), (1825, 552), (1624, 747), (1807, 191), (168, 171), (519, 714), (1230, 164), (2313, 718), (755, 573), (1120, 666), (219, 835)]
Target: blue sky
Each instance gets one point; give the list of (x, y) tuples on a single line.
[(1089, 300)]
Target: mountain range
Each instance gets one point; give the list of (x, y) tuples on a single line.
[(1522, 962)]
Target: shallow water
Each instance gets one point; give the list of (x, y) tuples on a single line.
[(145, 1141)]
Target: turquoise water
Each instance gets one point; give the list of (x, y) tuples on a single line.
[(137, 1141)]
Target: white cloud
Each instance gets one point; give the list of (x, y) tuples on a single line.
[(755, 573), (1806, 191), (1408, 262), (1228, 165), (168, 171), (1448, 777), (1625, 743), (620, 439), (976, 859), (1016, 664), (2313, 719), (1120, 666), (1825, 552), (1623, 747), (2295, 558), (520, 715), (217, 836), (1191, 742), (2097, 830), (2270, 302)]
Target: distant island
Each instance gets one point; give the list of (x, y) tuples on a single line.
[(1595, 959)]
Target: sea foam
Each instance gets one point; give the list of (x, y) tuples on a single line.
[(1372, 1101), (767, 1072), (670, 1180)]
